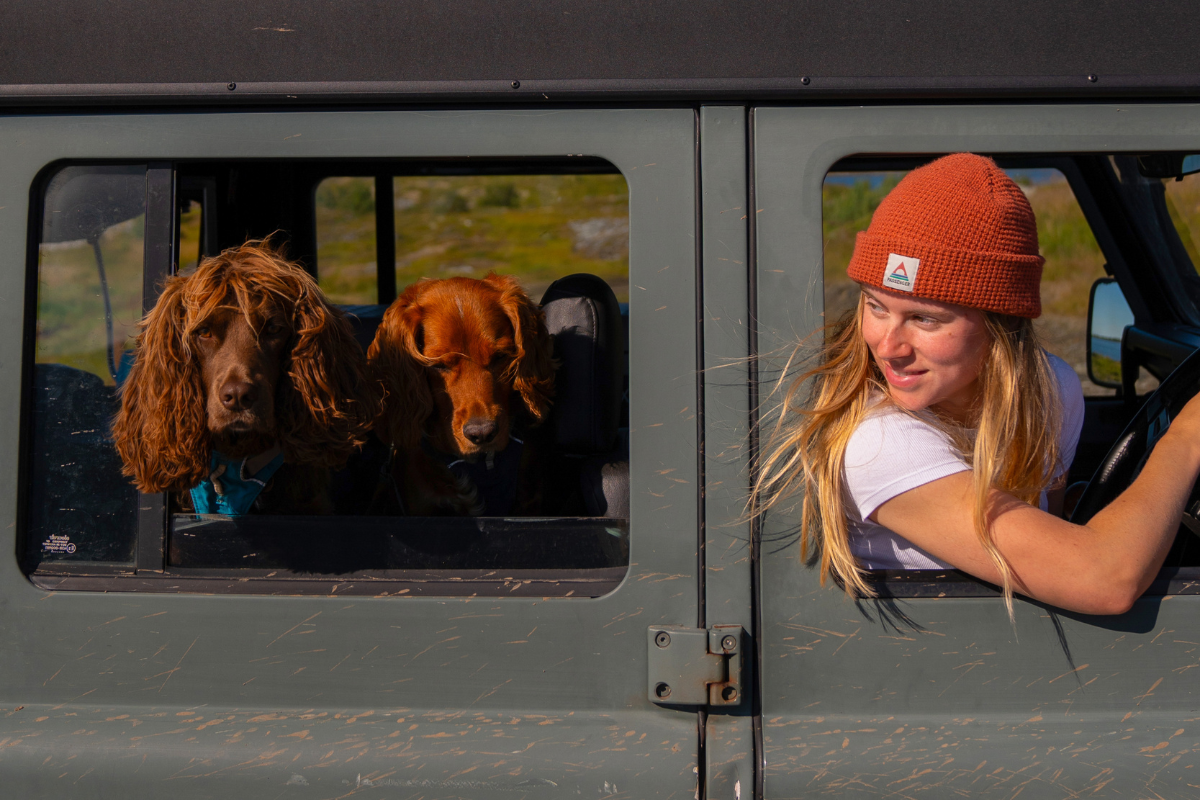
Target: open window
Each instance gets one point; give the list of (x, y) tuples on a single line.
[(1095, 215), (108, 235)]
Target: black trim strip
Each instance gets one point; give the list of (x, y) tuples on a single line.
[(441, 583), (760, 758), (607, 89), (920, 583), (701, 517), (385, 238)]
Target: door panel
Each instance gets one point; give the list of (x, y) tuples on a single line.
[(141, 694), (928, 696)]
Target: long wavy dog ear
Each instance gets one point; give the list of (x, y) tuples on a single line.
[(160, 431), (396, 364), (326, 406), (534, 379)]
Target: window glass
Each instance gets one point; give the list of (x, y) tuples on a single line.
[(345, 210), (89, 302), (1073, 258), (1183, 204), (189, 236), (90, 268), (536, 228)]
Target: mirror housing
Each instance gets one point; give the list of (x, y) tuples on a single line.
[(1109, 315), (1168, 165)]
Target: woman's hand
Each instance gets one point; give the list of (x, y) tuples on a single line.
[(1098, 568)]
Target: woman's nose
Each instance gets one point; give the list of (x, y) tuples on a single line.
[(893, 344)]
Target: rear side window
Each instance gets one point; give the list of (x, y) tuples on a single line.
[(109, 237)]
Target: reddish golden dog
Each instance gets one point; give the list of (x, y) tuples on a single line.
[(462, 363), (244, 356)]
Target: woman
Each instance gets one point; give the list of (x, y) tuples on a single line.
[(935, 422)]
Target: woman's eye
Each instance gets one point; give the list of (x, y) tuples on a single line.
[(274, 329), (204, 333), (439, 366)]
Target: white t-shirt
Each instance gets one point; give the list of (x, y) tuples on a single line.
[(892, 452)]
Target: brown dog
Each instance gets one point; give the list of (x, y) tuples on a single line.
[(242, 365), (466, 366)]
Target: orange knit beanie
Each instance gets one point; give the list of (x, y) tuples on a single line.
[(956, 230)]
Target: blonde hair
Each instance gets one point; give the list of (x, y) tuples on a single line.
[(1012, 445)]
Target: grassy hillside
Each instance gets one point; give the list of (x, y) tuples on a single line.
[(536, 227)]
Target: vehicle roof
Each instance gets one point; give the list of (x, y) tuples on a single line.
[(64, 52)]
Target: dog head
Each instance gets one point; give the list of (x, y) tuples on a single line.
[(242, 353), (457, 359)]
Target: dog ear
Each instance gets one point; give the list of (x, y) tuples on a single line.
[(395, 364), (326, 406), (160, 431), (534, 379)]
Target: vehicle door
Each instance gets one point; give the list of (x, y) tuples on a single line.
[(929, 690), (126, 671)]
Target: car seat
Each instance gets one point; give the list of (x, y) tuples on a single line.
[(584, 317)]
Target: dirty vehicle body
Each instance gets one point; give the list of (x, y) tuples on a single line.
[(671, 649)]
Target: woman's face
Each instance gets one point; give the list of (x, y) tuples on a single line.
[(930, 353)]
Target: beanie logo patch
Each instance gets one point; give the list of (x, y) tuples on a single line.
[(901, 272)]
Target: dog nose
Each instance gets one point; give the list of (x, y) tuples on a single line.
[(238, 395), (480, 431)]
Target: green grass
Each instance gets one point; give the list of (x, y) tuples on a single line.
[(70, 322), (1106, 369), (534, 227)]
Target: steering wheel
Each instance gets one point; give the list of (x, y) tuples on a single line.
[(1127, 456)]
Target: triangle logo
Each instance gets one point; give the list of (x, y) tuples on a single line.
[(901, 272)]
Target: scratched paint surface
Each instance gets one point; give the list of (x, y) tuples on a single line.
[(939, 697), (138, 695), (315, 753), (928, 696)]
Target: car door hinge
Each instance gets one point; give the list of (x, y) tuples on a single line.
[(695, 667)]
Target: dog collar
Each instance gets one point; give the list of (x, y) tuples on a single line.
[(233, 485)]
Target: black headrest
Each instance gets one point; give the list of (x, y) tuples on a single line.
[(583, 316), (365, 321)]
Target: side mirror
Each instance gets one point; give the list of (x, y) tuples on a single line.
[(1168, 165), (1108, 317)]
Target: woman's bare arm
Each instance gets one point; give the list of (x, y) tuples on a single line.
[(1098, 568)]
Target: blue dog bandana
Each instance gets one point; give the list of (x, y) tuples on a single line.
[(228, 489)]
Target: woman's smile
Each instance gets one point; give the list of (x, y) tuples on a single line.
[(900, 378)]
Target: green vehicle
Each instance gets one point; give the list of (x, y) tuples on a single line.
[(710, 163)]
